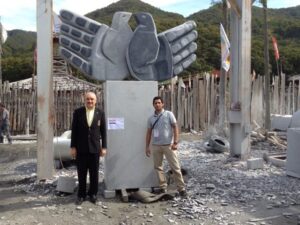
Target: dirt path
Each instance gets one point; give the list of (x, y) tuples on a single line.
[(221, 191)]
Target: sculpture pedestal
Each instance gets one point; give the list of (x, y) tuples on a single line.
[(293, 152), (128, 105)]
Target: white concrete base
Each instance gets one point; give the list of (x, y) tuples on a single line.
[(295, 120), (128, 105), (112, 193), (292, 174), (278, 160), (109, 194), (293, 152), (280, 122), (255, 163), (66, 184), (147, 189), (124, 195), (234, 116)]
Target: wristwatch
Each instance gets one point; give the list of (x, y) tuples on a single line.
[(175, 142)]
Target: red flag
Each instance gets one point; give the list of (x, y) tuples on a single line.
[(276, 52), (35, 55)]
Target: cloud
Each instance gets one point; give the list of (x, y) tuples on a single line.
[(283, 3), (21, 14), (18, 14), (274, 4), (96, 4), (87, 6)]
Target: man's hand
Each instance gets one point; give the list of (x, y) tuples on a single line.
[(102, 152), (73, 153), (174, 146), (148, 152)]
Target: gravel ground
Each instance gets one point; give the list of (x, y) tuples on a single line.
[(221, 190)]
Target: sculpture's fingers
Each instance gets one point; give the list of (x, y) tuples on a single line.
[(76, 47), (76, 34), (81, 22), (184, 64), (183, 41), (182, 55), (179, 31), (76, 60)]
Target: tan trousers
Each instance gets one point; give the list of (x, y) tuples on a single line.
[(158, 152)]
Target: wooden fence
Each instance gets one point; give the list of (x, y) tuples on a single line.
[(194, 103), (22, 105)]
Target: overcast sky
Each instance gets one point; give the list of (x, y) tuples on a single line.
[(21, 14)]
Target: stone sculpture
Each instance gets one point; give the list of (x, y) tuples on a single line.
[(118, 53)]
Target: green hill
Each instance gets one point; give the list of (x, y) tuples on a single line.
[(284, 24), (19, 42), (163, 20)]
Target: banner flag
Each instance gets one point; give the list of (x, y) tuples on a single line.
[(56, 23), (4, 33), (225, 49), (275, 47)]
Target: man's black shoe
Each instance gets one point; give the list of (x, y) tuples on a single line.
[(79, 201), (93, 199)]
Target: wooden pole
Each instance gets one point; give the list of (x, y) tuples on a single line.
[(223, 74), (267, 73), (45, 107), (0, 59)]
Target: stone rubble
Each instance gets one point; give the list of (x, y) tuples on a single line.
[(211, 179)]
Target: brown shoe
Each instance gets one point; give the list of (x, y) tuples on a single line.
[(162, 191), (183, 193)]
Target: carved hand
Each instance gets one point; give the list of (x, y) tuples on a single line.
[(117, 53), (160, 57), (96, 49)]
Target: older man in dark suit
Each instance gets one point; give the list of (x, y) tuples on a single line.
[(88, 127)]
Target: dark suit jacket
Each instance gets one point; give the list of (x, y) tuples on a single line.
[(87, 139)]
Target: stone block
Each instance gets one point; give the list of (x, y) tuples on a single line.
[(295, 120), (126, 166), (66, 184), (255, 163), (109, 193), (280, 122), (293, 152), (234, 116)]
